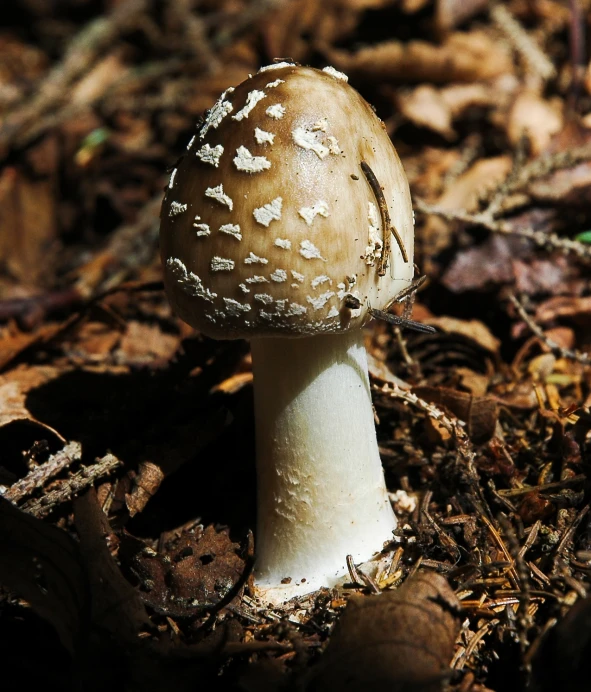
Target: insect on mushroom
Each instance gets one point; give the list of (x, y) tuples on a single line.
[(275, 229)]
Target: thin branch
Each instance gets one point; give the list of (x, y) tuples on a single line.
[(402, 322), (387, 225), (536, 61), (73, 486), (562, 352), (39, 476), (539, 238), (81, 55)]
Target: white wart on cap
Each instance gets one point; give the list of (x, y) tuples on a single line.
[(269, 225)]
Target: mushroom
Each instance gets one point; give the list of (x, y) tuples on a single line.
[(275, 229)]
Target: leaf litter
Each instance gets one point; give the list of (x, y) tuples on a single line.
[(127, 465)]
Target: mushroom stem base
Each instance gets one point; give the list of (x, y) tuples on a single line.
[(321, 489)]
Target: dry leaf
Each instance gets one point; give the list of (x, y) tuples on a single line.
[(381, 372), (197, 569), (464, 194), (566, 187), (463, 57), (535, 118), (116, 605), (478, 412), (438, 108), (563, 658), (472, 329), (400, 641), (299, 25), (42, 564), (143, 344), (146, 484), (28, 225), (451, 13), (572, 307), (96, 82), (425, 107), (14, 388)]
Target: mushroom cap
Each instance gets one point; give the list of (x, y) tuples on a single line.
[(270, 226)]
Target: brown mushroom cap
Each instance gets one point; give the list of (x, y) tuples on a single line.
[(270, 226)]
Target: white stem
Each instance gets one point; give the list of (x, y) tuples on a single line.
[(321, 490)]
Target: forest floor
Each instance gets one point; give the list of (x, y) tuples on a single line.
[(127, 439)]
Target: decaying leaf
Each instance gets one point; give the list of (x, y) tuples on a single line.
[(563, 659), (451, 13), (401, 640), (536, 119), (14, 387), (574, 308), (195, 570), (462, 57), (116, 605), (472, 329), (438, 108), (290, 29), (464, 193), (28, 224), (43, 565), (146, 483), (425, 107), (479, 413)]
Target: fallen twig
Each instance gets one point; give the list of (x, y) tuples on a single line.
[(536, 61), (541, 239), (82, 479), (39, 476), (552, 345)]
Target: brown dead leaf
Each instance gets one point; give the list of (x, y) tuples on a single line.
[(13, 341), (116, 605), (96, 82), (566, 187), (20, 64), (93, 342), (425, 107), (479, 413), (563, 336), (437, 109), (563, 657), (462, 57), (461, 97), (197, 569), (28, 225), (14, 387), (477, 267), (143, 344), (520, 395), (381, 372), (472, 329), (401, 640), (464, 194), (234, 383), (300, 24), (437, 433), (475, 382), (146, 484), (426, 170), (535, 118), (576, 308), (535, 507), (42, 564), (451, 13), (412, 6)]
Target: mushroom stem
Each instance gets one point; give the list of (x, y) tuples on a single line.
[(321, 489)]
